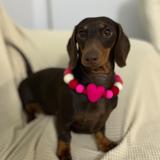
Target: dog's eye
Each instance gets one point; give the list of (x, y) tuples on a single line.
[(81, 33), (107, 32)]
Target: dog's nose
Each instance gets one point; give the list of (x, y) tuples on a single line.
[(91, 58)]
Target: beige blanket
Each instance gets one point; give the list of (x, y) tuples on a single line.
[(134, 124)]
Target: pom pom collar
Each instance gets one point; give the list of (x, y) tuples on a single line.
[(94, 93)]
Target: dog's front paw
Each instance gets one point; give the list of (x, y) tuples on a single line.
[(106, 145), (63, 151), (65, 156)]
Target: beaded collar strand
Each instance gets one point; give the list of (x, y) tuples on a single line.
[(92, 91)]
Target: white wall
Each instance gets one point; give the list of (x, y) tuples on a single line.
[(27, 13), (40, 14), (65, 14)]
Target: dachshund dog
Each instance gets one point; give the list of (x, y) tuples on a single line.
[(94, 47)]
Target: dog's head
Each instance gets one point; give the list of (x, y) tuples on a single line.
[(97, 40)]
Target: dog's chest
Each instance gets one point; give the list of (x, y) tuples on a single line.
[(90, 117)]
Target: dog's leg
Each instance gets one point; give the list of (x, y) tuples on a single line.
[(31, 109), (64, 139), (103, 142)]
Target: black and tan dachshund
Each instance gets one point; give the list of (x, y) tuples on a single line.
[(94, 47)]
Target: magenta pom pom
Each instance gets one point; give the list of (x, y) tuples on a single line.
[(117, 76), (69, 68), (109, 94), (79, 88), (67, 72), (119, 80)]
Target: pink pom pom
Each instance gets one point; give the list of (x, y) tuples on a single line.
[(67, 71), (80, 88), (109, 94)]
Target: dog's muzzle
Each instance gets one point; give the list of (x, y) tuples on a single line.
[(91, 57)]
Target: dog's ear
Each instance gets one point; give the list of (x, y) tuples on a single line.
[(122, 47), (72, 49)]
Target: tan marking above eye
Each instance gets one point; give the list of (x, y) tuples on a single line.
[(102, 25), (85, 27)]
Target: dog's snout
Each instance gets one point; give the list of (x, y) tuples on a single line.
[(91, 58)]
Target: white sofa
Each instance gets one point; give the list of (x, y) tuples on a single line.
[(150, 15), (134, 124)]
